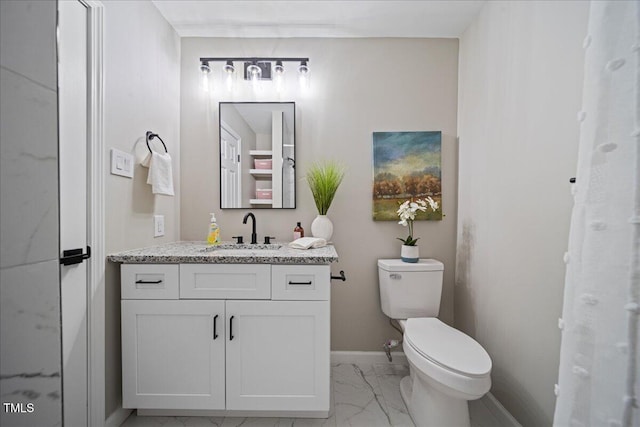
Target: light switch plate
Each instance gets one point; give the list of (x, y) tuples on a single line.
[(121, 163), (158, 225)]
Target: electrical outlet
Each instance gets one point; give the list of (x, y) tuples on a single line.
[(158, 225)]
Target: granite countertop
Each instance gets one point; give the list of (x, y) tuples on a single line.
[(225, 253)]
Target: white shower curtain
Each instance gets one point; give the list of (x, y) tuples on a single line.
[(599, 370)]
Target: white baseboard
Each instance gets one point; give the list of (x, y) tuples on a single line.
[(230, 413), (503, 416), (367, 357), (117, 417)]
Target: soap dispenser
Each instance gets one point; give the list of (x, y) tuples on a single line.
[(213, 238)]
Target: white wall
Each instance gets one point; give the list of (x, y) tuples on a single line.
[(521, 66), (142, 92), (356, 88), (29, 248)]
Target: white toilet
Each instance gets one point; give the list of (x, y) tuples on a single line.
[(447, 368)]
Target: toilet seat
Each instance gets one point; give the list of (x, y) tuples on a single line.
[(446, 347)]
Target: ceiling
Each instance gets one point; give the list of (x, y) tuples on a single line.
[(320, 18)]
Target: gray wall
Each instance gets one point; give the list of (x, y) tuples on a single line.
[(521, 67), (357, 87), (142, 90), (29, 270)]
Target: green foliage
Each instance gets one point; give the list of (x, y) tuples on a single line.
[(324, 178), (409, 241)]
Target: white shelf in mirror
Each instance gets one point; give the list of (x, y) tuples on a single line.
[(261, 153), (261, 201), (260, 172)]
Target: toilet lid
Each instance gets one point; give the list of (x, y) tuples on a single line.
[(447, 347)]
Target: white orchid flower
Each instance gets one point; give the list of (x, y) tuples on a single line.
[(432, 204), (407, 213)]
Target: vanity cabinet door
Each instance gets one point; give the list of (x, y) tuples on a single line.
[(278, 355), (172, 357)]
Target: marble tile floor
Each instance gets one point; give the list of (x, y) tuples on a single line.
[(361, 396)]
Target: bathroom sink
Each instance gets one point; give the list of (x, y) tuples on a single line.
[(244, 247)]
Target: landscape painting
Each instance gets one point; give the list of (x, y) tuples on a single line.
[(406, 165)]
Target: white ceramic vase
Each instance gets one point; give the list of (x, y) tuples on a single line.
[(322, 227), (410, 253)]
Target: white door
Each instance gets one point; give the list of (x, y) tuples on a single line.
[(278, 355), (230, 169), (173, 354), (72, 81)]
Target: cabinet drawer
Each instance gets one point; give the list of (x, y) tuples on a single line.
[(300, 282), (225, 281), (149, 281)]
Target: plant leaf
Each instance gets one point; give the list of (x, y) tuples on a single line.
[(324, 179)]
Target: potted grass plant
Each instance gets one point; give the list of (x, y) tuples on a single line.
[(324, 178)]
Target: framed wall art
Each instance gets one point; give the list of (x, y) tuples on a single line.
[(406, 165)]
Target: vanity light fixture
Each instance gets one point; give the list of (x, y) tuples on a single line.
[(205, 69), (229, 74), (303, 74), (256, 69), (254, 74), (278, 75)]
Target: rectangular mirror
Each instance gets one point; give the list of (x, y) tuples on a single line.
[(257, 155)]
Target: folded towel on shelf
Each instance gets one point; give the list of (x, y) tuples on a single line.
[(308, 243), (160, 174)]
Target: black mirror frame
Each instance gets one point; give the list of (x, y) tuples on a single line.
[(295, 143)]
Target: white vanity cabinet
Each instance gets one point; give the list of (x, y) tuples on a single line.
[(232, 338)]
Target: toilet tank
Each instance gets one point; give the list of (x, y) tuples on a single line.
[(410, 289)]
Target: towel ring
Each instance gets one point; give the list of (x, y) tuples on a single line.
[(150, 136)]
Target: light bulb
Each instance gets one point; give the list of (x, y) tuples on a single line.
[(206, 70), (254, 73), (278, 73), (229, 73), (304, 74)]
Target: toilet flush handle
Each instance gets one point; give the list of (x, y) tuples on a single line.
[(395, 276)]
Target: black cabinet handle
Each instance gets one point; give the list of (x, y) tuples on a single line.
[(231, 328), (149, 282), (300, 283), (215, 318)]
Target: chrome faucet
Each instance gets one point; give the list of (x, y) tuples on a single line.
[(254, 236)]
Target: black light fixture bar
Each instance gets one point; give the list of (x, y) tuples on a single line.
[(255, 67), (252, 59)]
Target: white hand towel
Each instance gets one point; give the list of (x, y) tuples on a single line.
[(146, 161), (161, 174), (308, 243)]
